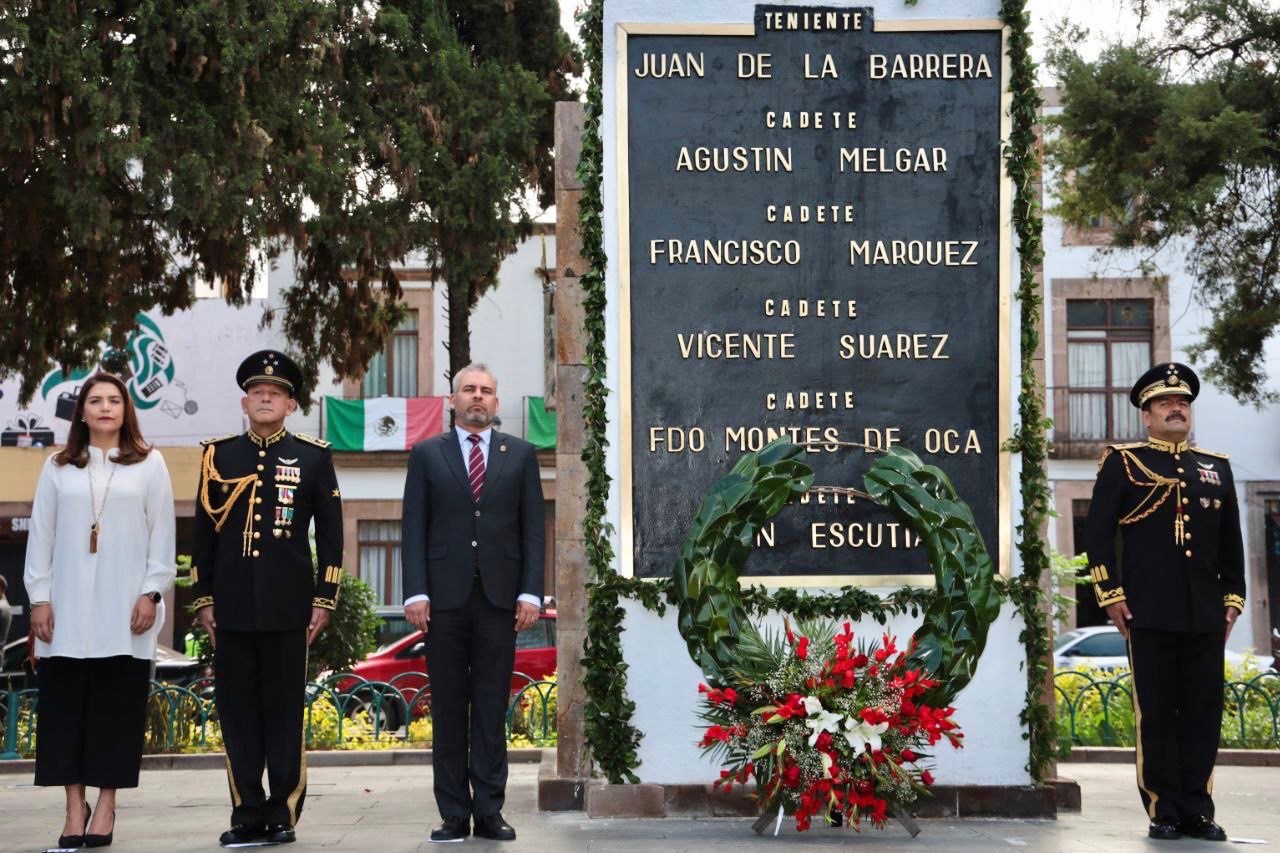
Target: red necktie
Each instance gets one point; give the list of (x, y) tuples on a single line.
[(475, 466)]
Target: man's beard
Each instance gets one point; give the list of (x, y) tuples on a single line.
[(475, 418)]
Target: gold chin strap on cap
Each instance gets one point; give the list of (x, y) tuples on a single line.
[(236, 486)]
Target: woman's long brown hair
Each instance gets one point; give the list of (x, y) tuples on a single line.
[(132, 447)]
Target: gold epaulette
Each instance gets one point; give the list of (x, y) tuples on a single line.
[(318, 442), (209, 441), (1111, 447), (1212, 453)]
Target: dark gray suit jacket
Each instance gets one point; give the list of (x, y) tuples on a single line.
[(446, 536)]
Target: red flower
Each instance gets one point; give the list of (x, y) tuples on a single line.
[(860, 661), (713, 734), (802, 648), (908, 755), (823, 743), (791, 776), (926, 777), (730, 696), (873, 716)]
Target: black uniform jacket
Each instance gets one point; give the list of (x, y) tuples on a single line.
[(448, 537), (1179, 557), (252, 558)]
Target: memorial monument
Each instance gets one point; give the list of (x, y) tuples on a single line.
[(808, 231)]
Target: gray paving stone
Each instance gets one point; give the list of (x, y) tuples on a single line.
[(389, 809)]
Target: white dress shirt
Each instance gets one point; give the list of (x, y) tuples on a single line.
[(465, 444), (93, 595)]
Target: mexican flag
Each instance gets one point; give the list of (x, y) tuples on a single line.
[(382, 423)]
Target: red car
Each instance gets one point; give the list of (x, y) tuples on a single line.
[(403, 663)]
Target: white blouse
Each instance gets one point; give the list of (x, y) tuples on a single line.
[(93, 595)]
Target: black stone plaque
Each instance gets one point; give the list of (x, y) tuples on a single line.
[(880, 323)]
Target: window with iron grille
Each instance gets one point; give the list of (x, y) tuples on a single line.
[(1109, 346), (394, 371), (380, 559)]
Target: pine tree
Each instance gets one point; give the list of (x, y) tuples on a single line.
[(147, 144), (1177, 137)]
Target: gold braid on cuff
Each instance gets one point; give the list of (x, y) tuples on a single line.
[(1108, 597), (1232, 600), (326, 603), (203, 601)]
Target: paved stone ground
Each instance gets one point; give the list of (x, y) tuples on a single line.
[(388, 809)]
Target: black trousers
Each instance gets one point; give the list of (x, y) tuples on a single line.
[(471, 652), (91, 720), (261, 679), (1177, 706)]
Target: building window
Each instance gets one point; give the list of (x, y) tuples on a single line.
[(1108, 349), (380, 559), (394, 371)]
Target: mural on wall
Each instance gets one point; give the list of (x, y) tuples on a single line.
[(161, 378)]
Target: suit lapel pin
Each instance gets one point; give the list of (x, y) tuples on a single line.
[(1204, 502), (502, 448), (1217, 503)]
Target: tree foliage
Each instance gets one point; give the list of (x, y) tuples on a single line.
[(145, 144), (1176, 137)]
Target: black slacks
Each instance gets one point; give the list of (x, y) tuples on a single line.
[(1177, 706), (471, 652), (91, 720), (261, 679)]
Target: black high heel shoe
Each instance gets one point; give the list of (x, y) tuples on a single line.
[(91, 840), (74, 841)]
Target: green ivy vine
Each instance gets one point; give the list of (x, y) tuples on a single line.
[(1022, 164), (613, 740)]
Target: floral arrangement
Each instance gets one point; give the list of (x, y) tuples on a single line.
[(825, 727)]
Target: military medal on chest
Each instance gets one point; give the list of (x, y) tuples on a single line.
[(1208, 475), (288, 476)]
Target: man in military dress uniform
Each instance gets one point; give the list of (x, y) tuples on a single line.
[(1173, 585), (259, 595)]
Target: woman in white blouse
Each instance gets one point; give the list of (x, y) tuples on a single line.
[(100, 555)]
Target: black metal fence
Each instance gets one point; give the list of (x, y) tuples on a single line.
[(1096, 709), (343, 711)]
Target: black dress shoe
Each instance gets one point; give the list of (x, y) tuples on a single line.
[(494, 828), (1203, 828), (1164, 829), (451, 829), (76, 841), (240, 834), (281, 833), (94, 840)]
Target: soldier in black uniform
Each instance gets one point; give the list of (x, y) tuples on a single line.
[(259, 594), (1167, 563)]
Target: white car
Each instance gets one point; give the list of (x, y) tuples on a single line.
[(1102, 646)]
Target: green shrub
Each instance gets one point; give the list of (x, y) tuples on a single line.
[(533, 716), (1095, 708)]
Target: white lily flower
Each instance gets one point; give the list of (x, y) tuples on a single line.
[(812, 705), (823, 721), (860, 734)]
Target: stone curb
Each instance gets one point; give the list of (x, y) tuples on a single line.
[(1125, 755), (315, 758), (650, 800)]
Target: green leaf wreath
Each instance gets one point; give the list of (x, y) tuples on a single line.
[(714, 622)]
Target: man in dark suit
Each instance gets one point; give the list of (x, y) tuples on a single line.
[(472, 556), (258, 593), (1173, 589)]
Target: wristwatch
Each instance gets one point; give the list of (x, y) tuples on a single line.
[(154, 596)]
